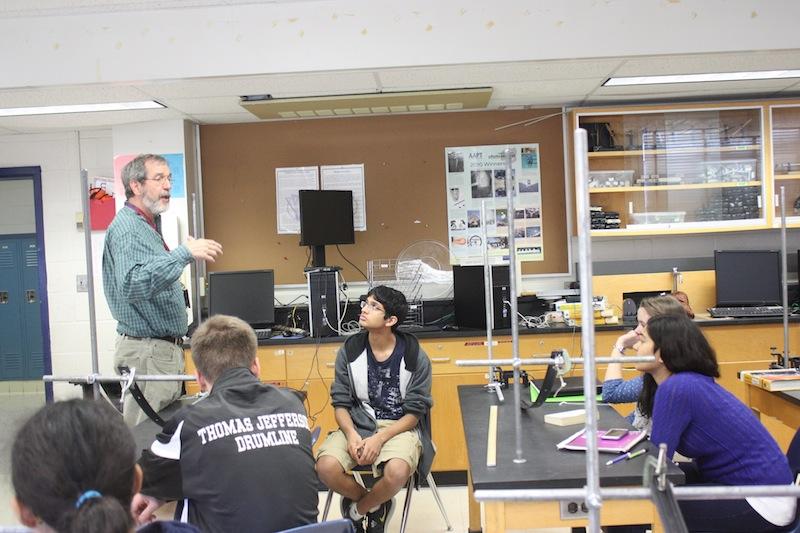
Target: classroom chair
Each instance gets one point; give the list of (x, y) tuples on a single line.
[(334, 526), (412, 482)]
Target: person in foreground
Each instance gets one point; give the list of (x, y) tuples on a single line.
[(617, 390), (141, 283), (382, 398), (696, 417), (73, 468), (239, 459)]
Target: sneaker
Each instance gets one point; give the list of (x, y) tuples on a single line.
[(378, 520), (345, 504)]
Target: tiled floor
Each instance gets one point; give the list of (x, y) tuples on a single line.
[(425, 517), (15, 408)]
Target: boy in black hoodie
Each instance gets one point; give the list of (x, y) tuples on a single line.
[(382, 399)]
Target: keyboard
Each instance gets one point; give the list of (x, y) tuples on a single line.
[(745, 312), (265, 333)]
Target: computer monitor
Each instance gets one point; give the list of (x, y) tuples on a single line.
[(747, 277), (247, 294), (326, 217)]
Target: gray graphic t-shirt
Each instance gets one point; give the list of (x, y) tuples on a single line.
[(384, 383)]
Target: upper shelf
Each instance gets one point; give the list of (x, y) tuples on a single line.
[(671, 151), (688, 186), (788, 176)]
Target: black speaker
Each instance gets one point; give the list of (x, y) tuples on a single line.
[(469, 298), (628, 311)]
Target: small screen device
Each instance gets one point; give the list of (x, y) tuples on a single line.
[(614, 434)]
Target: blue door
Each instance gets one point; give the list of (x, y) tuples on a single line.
[(21, 346)]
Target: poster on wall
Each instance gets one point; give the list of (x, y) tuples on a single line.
[(347, 178), (478, 173), (289, 181)]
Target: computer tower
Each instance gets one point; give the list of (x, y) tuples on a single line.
[(469, 297), (323, 302)]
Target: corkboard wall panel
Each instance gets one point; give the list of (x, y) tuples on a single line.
[(404, 164)]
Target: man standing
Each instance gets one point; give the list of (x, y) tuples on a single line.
[(382, 398), (239, 459), (140, 279)]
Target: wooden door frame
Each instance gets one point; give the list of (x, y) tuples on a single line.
[(35, 174)]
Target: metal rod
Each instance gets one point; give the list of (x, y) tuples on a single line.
[(197, 266), (703, 492), (512, 297), (87, 239), (487, 286), (543, 361), (97, 378), (785, 281), (593, 498)]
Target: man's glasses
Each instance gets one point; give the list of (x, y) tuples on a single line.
[(372, 306), (161, 179)]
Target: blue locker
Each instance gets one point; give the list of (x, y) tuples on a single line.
[(21, 347)]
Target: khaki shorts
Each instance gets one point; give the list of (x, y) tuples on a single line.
[(405, 446)]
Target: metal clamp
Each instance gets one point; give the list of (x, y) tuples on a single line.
[(655, 478), (129, 376), (562, 365)]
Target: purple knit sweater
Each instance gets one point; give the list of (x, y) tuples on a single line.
[(698, 418)]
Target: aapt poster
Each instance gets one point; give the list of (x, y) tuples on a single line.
[(478, 173)]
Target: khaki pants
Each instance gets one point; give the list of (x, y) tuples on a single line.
[(149, 356), (405, 446)]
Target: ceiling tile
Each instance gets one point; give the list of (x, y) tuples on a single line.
[(475, 75), (701, 63), (278, 85), (81, 120), (541, 89), (719, 87), (204, 105), (73, 94), (226, 118)]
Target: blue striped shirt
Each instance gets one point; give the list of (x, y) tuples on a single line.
[(140, 279)]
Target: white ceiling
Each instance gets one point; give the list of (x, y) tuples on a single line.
[(553, 83)]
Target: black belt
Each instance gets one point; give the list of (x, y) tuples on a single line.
[(171, 340)]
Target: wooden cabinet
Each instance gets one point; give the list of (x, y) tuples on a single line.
[(785, 130), (271, 358), (676, 169), (309, 368)]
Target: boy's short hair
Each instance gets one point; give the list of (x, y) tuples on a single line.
[(393, 301), (223, 342)]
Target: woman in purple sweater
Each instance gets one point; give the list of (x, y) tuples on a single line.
[(696, 417)]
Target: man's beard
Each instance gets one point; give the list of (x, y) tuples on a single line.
[(155, 206)]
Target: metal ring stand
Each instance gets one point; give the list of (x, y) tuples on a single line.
[(657, 487)]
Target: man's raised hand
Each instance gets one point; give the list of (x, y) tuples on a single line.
[(204, 249)]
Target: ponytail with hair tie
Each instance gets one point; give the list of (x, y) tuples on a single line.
[(86, 496)]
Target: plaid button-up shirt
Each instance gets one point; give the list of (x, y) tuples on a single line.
[(140, 278)]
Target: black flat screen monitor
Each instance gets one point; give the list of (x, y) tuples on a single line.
[(247, 294), (326, 217), (748, 277)]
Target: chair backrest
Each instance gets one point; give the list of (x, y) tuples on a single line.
[(334, 526)]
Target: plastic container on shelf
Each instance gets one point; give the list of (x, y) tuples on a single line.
[(599, 179), (658, 217)]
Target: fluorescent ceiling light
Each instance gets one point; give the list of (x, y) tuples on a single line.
[(694, 78), (79, 108)]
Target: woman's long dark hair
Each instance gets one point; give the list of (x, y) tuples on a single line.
[(69, 448), (682, 347)]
